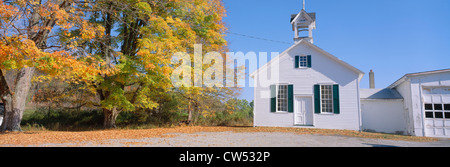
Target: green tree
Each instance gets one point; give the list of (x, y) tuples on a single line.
[(138, 56)]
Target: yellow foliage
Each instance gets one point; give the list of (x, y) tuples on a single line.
[(18, 51)]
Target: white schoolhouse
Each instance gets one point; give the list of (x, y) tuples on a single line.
[(313, 88)]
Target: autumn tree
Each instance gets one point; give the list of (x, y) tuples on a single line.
[(202, 66), (26, 32), (139, 40), (118, 50)]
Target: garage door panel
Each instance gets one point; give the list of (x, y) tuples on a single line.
[(429, 123), (439, 131), (438, 123), (446, 99), (436, 99), (429, 130), (447, 131), (447, 123), (427, 99)]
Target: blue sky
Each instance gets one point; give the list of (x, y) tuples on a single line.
[(392, 37)]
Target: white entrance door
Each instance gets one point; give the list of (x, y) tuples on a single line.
[(302, 110)]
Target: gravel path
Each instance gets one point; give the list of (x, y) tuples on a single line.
[(252, 139)]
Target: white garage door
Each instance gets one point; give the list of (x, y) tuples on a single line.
[(437, 113)]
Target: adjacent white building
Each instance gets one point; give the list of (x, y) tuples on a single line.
[(427, 102), (315, 89), (419, 105), (382, 111)]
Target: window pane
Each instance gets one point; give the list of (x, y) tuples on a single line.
[(428, 114), (447, 115), (428, 107), (438, 115), (437, 106), (447, 107)]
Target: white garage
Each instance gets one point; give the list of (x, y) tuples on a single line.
[(427, 102)]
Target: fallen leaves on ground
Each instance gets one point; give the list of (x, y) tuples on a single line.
[(100, 136), (43, 137), (349, 133)]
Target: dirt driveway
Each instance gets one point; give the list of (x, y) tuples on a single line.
[(216, 137), (269, 139)]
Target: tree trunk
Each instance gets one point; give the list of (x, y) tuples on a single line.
[(5, 96), (15, 102), (110, 116), (7, 102), (189, 112)]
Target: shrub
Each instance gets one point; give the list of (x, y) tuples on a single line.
[(63, 119), (237, 113)]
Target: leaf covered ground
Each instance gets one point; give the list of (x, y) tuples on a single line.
[(29, 138)]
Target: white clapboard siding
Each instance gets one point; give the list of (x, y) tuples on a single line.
[(383, 115), (324, 70)]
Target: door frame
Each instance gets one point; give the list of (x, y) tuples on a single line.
[(310, 97)]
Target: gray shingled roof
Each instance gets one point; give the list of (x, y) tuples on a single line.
[(312, 15), (293, 17), (379, 94)]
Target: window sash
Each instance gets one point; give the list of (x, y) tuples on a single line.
[(303, 61), (437, 111), (326, 98), (282, 98)]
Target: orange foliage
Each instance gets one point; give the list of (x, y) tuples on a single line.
[(18, 48)]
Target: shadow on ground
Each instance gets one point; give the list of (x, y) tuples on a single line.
[(379, 145)]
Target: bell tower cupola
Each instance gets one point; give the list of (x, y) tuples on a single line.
[(302, 24)]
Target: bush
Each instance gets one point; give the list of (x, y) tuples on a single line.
[(63, 119), (67, 120), (236, 113), (237, 118), (150, 117)]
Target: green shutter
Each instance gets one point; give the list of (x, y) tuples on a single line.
[(297, 61), (273, 98), (317, 99), (309, 61), (336, 106), (290, 98)]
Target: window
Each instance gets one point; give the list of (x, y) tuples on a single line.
[(447, 107), (447, 115), (428, 106), (326, 96), (282, 98), (303, 61), (439, 111), (437, 106), (326, 99), (438, 115), (429, 115)]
